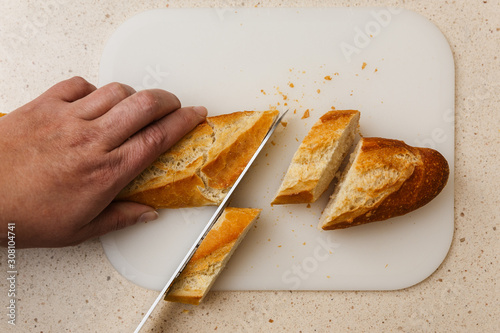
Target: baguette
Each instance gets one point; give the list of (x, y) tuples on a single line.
[(385, 178), (208, 261), (318, 158), (201, 168)]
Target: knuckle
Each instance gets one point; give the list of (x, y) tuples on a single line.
[(154, 136), (80, 83), (146, 100), (118, 90)]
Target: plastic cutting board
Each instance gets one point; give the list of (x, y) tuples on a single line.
[(392, 65)]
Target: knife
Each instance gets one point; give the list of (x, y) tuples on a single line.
[(209, 226)]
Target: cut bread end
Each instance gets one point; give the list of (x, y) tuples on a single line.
[(384, 178)]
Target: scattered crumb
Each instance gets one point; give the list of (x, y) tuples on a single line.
[(304, 243), (363, 66), (285, 97), (279, 245), (269, 239), (375, 71), (271, 321), (284, 123), (306, 114), (185, 311), (328, 77), (262, 91), (332, 107), (273, 143), (336, 73), (318, 91), (308, 206), (462, 240), (294, 111), (386, 265), (328, 276), (291, 85)]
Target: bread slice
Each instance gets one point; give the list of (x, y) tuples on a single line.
[(318, 157), (201, 168), (385, 178), (210, 258)]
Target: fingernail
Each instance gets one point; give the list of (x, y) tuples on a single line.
[(200, 110), (148, 217)]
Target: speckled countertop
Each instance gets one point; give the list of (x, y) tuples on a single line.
[(77, 290)]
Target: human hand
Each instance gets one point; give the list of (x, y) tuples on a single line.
[(66, 155)]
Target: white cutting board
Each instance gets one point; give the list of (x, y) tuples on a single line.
[(247, 59)]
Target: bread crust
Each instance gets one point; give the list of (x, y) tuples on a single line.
[(315, 162), (209, 259), (202, 166), (421, 181)]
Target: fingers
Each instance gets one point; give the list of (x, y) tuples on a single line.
[(134, 113), (116, 216), (102, 100), (145, 146), (70, 90)]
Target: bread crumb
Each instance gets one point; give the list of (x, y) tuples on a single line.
[(285, 97), (273, 143), (462, 240), (318, 91), (328, 276), (283, 123), (291, 85), (332, 107), (304, 243), (279, 245), (328, 77), (262, 91), (308, 205), (306, 114), (363, 66), (375, 71), (386, 265), (271, 321), (185, 311), (336, 73)]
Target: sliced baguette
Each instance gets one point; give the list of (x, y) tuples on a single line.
[(202, 166), (385, 178), (207, 263), (318, 158)]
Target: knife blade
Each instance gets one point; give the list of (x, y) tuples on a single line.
[(209, 225)]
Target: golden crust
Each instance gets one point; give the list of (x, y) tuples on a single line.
[(420, 181), (208, 261), (226, 162)]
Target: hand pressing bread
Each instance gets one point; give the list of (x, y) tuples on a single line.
[(202, 167)]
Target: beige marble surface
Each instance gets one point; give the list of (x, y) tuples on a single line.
[(77, 290)]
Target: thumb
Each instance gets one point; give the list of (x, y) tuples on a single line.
[(118, 215)]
